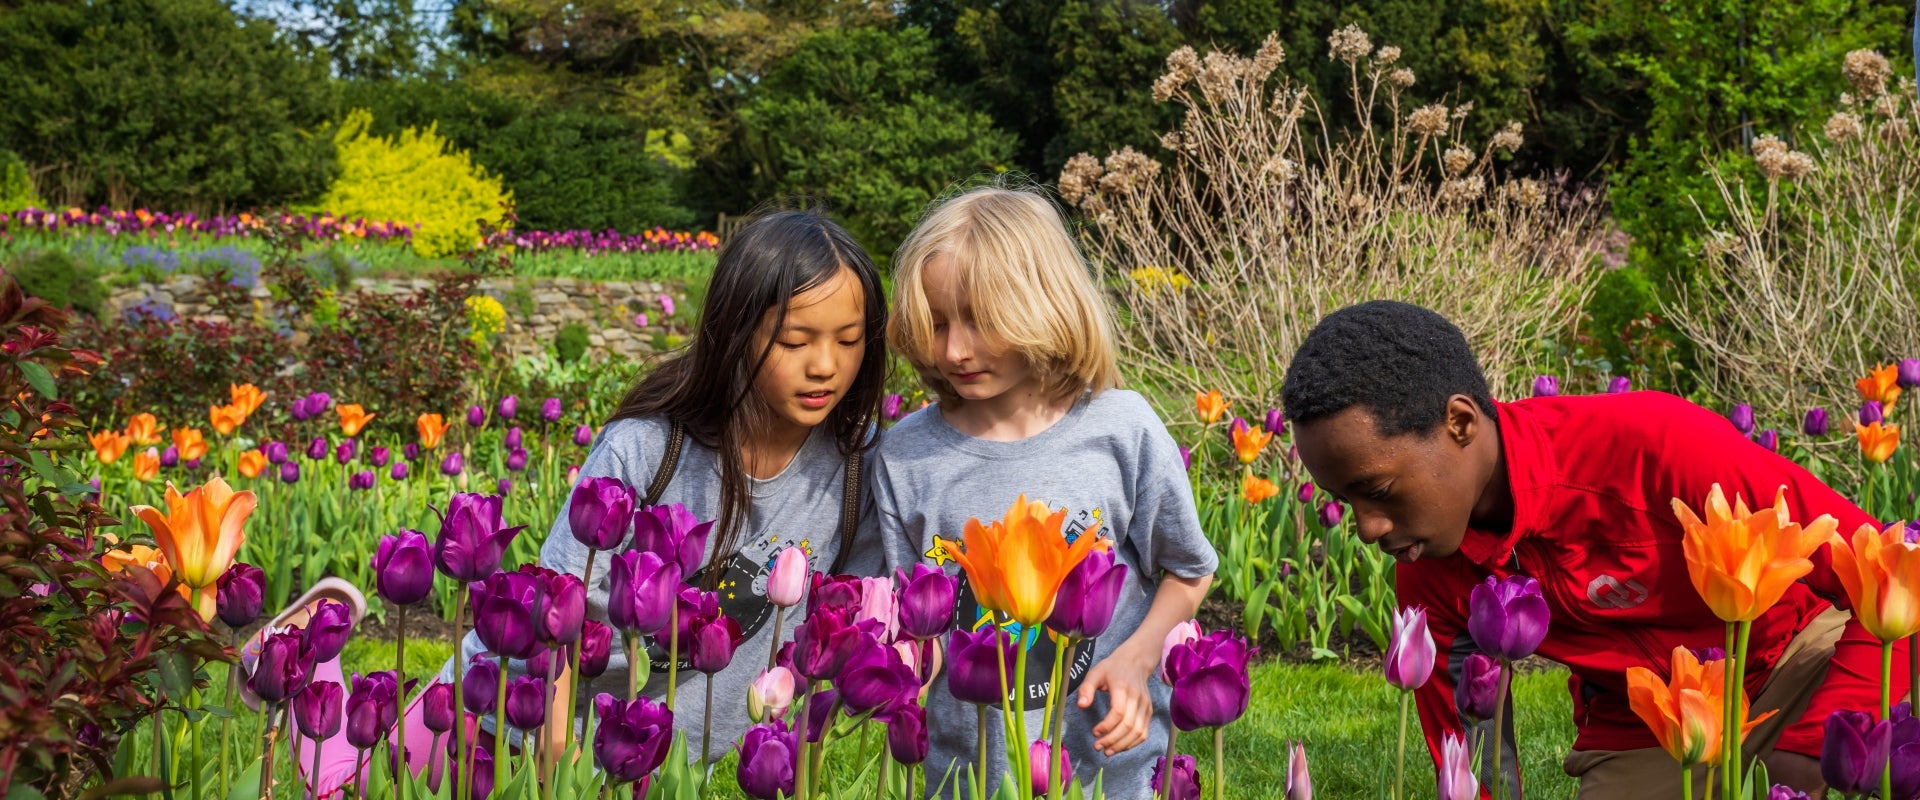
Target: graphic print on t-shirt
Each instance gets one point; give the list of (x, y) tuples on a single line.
[(1040, 643), (741, 586)]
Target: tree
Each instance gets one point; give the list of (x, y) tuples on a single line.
[(361, 38), (170, 103)]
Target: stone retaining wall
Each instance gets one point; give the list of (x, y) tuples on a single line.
[(536, 309)]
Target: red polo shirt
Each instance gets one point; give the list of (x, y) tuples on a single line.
[(1593, 480)]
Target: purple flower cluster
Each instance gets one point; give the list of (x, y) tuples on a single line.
[(658, 240), (142, 221)]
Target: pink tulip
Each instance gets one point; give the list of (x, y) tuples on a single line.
[(787, 583), (1409, 660), (770, 694), (1183, 633), (1456, 780), (877, 603)]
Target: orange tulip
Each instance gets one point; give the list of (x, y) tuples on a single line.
[(252, 462), (226, 418), (1255, 489), (200, 532), (246, 397), (1248, 441), (1881, 571), (1016, 565), (1882, 383), (1686, 713), (108, 446), (1741, 562), (190, 443), (140, 555), (432, 427), (1210, 405), (352, 418), (146, 466), (144, 429), (1877, 440)]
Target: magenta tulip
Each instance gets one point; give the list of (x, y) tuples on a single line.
[(1409, 660), (926, 602), (403, 567), (1083, 608), (318, 708), (600, 511), (641, 591)]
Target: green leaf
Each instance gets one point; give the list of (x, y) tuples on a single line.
[(1256, 609), (176, 673), (1322, 654), (21, 791), (39, 378), (247, 785)]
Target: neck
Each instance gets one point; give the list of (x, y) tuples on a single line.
[(1017, 413), (773, 447), (1494, 510)]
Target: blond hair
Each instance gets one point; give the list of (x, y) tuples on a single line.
[(1030, 292)]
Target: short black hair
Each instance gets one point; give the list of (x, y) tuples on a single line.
[(1398, 360)]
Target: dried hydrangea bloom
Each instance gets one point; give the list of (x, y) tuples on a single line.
[(1868, 71), (1429, 120), (1268, 57), (1768, 144), (1128, 170), (1798, 165), (1182, 65), (1349, 44), (1843, 126), (1895, 130), (1387, 54), (1281, 169), (1079, 178), (1456, 160), (1509, 138), (1526, 193), (1461, 111), (1462, 190), (1401, 77), (1887, 106)]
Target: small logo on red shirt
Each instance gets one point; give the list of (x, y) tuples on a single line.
[(1607, 591)]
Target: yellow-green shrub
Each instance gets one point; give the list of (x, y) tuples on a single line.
[(415, 178)]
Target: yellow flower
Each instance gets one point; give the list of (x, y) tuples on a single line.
[(1741, 562), (226, 418), (1152, 279), (190, 443), (246, 397), (252, 462), (1881, 572), (1255, 489), (200, 532), (144, 429), (1210, 405), (1015, 565)]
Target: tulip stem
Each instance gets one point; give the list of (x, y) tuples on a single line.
[(550, 761), (1166, 764), (460, 754), (1057, 722), (1727, 722), (779, 618), (1400, 756), (980, 778), (400, 680), (500, 727), (313, 778), (1686, 783), (1219, 764), (706, 725), (266, 759), (360, 757), (800, 756), (1500, 728), (673, 652), (886, 776), (1886, 711), (1737, 701)]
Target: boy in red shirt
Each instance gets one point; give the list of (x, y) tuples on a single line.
[(1393, 416)]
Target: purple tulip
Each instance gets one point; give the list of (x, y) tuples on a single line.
[(360, 481), (1903, 751), (453, 464), (1871, 412), (527, 702), (403, 567), (436, 707), (1620, 384), (298, 410), (1305, 494), (1706, 654), (925, 602), (876, 680), (480, 765), (710, 643), (1331, 513), (317, 449), (327, 632), (1507, 618), (1781, 791), (820, 713), (1186, 458), (504, 487), (890, 406), (1816, 422), (281, 670), (514, 438), (170, 457), (562, 608), (1546, 386), (318, 708), (907, 734), (550, 410), (1209, 678), (824, 644), (1186, 779), (1275, 422), (600, 512), (1040, 767), (1769, 439), (345, 451), (509, 406), (238, 595), (1409, 661), (193, 465), (399, 471), (641, 591), (672, 532), (1479, 691), (1909, 377), (583, 436), (1083, 608), (276, 452), (596, 647), (379, 456), (411, 450), (632, 738), (973, 674), (696, 606), (1742, 418), (318, 403), (767, 761), (1855, 752), (503, 608), (372, 708), (473, 538), (476, 416), (480, 687), (838, 594), (290, 472)]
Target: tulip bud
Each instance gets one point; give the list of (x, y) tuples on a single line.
[(1186, 779), (318, 709), (1181, 634), (1871, 412), (527, 702), (360, 481), (1620, 384), (476, 416), (453, 464), (170, 457), (327, 632), (907, 734), (890, 406), (298, 410), (1855, 751), (1305, 494), (1211, 687), (973, 673), (513, 439), (1409, 660), (1742, 418), (1507, 618), (282, 668), (345, 451), (1186, 458), (583, 436), (480, 687), (1479, 691), (1040, 765), (411, 451), (317, 449), (550, 410), (318, 403), (1456, 780), (600, 512), (1769, 439), (290, 472), (436, 707), (276, 452), (503, 606), (1299, 783), (239, 594), (596, 647), (480, 766), (926, 602), (379, 456), (403, 566), (1331, 514), (772, 692), (1909, 373), (399, 471), (641, 591), (787, 581), (1546, 386), (1083, 608), (1276, 422), (509, 406), (563, 607), (372, 709), (1815, 423), (767, 761)]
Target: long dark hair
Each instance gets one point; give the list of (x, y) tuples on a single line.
[(708, 389)]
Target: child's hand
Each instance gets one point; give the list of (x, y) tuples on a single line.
[(1123, 676)]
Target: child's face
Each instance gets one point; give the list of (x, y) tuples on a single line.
[(971, 365), (1412, 494), (816, 353)]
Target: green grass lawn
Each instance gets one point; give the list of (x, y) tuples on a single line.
[(1347, 718)]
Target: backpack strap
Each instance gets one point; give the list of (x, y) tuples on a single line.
[(849, 512), (670, 461)]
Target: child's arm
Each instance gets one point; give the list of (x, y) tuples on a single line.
[(1123, 674)]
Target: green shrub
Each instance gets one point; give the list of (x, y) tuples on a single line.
[(63, 279), (416, 179), (16, 185), (570, 344)]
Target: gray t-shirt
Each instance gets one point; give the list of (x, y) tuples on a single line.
[(1110, 461), (798, 507)]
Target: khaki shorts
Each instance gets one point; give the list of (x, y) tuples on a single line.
[(1652, 773)]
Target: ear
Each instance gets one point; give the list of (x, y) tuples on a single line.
[(1463, 420)]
